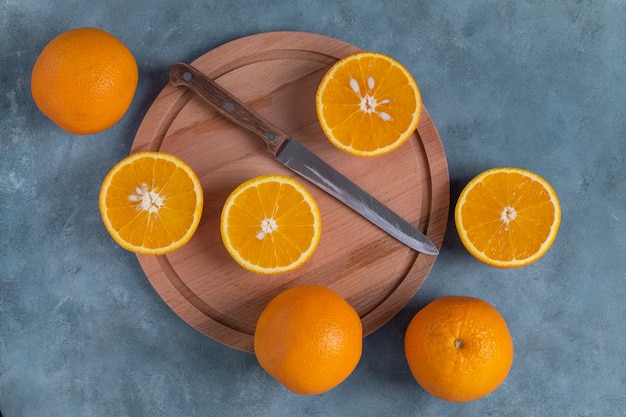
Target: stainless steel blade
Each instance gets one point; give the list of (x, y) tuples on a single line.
[(301, 160), (304, 162)]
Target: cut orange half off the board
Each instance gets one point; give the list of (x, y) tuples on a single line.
[(151, 203), (368, 104), (507, 217), (270, 224)]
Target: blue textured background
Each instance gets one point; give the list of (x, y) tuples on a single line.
[(530, 83)]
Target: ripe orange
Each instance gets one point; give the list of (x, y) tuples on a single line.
[(507, 217), (368, 104), (151, 202), (270, 224), (459, 348), (84, 80), (309, 339)]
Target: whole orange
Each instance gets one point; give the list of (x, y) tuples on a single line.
[(309, 339), (84, 80), (459, 348)]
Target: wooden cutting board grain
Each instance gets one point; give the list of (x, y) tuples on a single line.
[(277, 74)]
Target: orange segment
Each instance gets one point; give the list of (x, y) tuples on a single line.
[(151, 203), (368, 104), (507, 217), (270, 224)]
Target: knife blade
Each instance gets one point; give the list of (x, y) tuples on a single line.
[(299, 159)]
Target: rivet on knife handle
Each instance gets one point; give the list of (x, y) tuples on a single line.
[(227, 105)]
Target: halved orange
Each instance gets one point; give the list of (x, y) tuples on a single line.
[(270, 224), (507, 217), (368, 104), (151, 203)]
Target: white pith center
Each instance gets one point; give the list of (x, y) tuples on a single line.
[(267, 227), (508, 214), (368, 101), (148, 200)]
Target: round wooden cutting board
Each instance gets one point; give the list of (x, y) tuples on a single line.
[(277, 74)]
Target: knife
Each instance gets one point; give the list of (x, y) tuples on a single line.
[(299, 159)]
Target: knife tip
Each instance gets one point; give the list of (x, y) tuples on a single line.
[(429, 249)]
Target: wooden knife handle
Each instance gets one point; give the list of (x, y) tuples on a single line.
[(227, 105)]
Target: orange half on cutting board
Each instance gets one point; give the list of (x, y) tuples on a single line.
[(368, 104), (151, 203), (270, 224)]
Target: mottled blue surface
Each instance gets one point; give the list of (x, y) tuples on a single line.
[(531, 83)]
